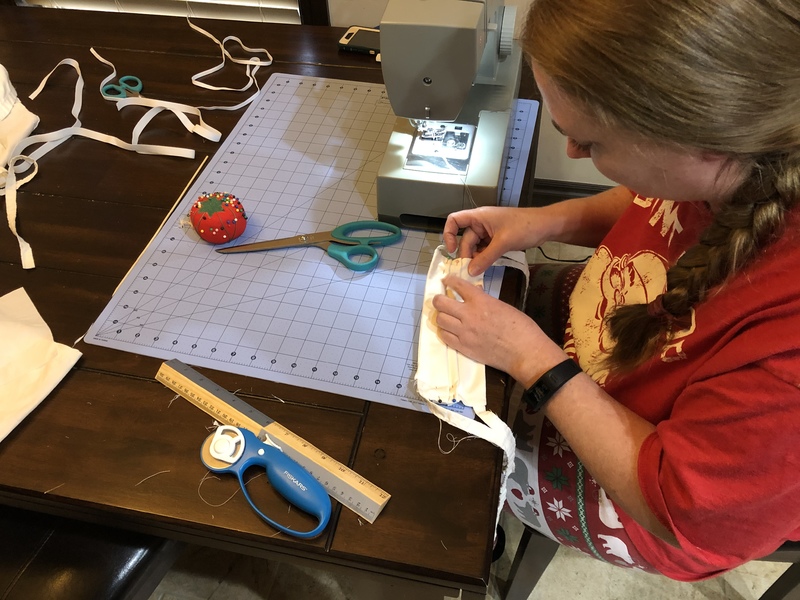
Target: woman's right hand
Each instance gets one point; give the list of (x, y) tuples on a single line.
[(491, 231), (488, 232)]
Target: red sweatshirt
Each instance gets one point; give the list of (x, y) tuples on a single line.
[(722, 470)]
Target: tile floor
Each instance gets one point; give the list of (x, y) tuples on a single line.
[(206, 574)]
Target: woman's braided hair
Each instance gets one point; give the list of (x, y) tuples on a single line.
[(715, 75)]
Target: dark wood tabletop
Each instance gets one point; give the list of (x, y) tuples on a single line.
[(110, 444)]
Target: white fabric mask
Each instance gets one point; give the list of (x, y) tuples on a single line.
[(445, 377), (16, 121)]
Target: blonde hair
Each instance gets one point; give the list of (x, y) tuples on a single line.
[(716, 75)]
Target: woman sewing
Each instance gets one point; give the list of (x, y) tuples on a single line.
[(662, 433)]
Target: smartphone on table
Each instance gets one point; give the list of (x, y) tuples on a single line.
[(361, 39)]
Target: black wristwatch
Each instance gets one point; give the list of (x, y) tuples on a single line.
[(548, 384)]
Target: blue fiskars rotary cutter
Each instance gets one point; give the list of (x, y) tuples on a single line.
[(233, 450)]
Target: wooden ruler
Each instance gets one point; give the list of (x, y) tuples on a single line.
[(342, 483)]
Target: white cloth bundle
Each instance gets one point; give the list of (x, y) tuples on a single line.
[(31, 363)]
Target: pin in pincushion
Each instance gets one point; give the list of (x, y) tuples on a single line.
[(218, 217)]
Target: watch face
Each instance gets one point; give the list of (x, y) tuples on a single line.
[(538, 394), (548, 384)]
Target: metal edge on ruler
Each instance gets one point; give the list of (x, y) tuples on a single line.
[(342, 483)]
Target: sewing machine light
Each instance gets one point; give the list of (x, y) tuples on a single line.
[(440, 147)]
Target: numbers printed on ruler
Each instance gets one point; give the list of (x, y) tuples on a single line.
[(344, 470)]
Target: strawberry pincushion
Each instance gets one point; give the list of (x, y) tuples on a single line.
[(218, 217)]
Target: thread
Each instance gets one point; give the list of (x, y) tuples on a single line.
[(210, 475), (452, 439)]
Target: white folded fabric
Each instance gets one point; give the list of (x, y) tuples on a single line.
[(31, 363), (444, 375)]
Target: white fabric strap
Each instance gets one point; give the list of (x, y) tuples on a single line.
[(156, 106), (11, 183), (181, 111), (22, 161), (494, 431), (516, 260), (19, 162), (16, 124), (253, 63)]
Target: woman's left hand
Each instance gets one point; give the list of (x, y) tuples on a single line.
[(493, 333)]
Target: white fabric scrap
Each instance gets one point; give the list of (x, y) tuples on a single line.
[(31, 363)]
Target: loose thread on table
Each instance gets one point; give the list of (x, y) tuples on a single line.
[(55, 488), (175, 397), (210, 475), (185, 223), (151, 476), (452, 439)]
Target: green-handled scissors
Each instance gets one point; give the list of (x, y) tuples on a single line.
[(339, 243), (127, 85)]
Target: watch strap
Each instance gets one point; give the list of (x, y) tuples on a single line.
[(548, 384)]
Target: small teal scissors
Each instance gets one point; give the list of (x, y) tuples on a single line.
[(339, 243), (127, 85)]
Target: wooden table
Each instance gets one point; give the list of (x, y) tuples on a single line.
[(109, 444)]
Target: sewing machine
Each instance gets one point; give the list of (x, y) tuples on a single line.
[(451, 69)]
